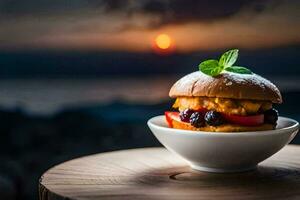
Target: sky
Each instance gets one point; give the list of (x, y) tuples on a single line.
[(132, 25)]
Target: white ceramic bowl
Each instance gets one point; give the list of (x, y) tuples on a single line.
[(222, 151)]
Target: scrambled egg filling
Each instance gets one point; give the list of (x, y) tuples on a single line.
[(224, 105)]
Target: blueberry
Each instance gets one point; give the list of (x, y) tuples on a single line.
[(185, 115), (213, 118), (271, 116), (197, 119)]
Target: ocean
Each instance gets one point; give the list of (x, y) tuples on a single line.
[(48, 96)]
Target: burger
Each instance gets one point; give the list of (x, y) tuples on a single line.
[(222, 97)]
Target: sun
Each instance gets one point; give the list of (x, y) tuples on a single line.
[(163, 41)]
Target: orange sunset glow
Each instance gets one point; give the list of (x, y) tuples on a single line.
[(163, 43), (147, 31)]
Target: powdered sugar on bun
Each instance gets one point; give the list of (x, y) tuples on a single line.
[(227, 85)]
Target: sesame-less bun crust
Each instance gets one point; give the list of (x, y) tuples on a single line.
[(226, 85)]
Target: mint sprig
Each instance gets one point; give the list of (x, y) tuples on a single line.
[(229, 58), (238, 69), (211, 67), (225, 63)]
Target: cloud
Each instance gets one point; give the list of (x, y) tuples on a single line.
[(180, 11), (37, 8), (168, 10)]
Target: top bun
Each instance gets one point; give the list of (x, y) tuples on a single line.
[(226, 85)]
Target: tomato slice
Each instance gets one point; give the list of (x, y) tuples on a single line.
[(253, 120), (171, 116)]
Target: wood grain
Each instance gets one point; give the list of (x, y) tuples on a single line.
[(154, 173)]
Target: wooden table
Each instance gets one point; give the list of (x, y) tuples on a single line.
[(154, 173)]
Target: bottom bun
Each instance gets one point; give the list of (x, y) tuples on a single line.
[(222, 128)]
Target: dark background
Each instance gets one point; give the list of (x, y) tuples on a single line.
[(81, 77)]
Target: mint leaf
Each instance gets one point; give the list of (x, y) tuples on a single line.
[(238, 69), (229, 58), (215, 67), (211, 67)]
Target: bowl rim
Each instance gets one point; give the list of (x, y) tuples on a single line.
[(293, 127)]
